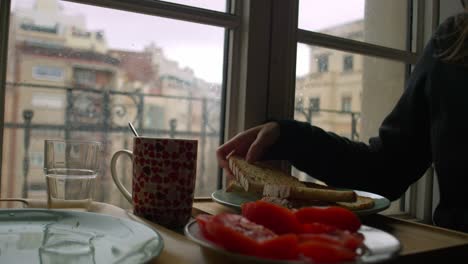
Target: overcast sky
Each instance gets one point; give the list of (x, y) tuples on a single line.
[(199, 47)]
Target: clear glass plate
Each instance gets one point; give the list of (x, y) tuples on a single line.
[(59, 236)]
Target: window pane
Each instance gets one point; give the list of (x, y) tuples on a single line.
[(377, 22), (346, 101), (83, 72), (217, 5)]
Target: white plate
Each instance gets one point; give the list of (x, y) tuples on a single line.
[(379, 246), (235, 200), (59, 236)]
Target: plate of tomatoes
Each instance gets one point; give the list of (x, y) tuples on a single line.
[(266, 232)]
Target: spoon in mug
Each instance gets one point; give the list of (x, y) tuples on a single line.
[(133, 129)]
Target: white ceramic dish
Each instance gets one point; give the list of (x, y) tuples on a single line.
[(379, 246), (235, 200)]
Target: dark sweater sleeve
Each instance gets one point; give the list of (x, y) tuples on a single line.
[(388, 164)]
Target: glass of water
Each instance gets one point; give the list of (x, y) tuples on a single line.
[(71, 168)]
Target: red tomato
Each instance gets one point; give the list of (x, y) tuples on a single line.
[(325, 252), (317, 228), (202, 220), (238, 234), (351, 241), (281, 247), (279, 219), (319, 238), (339, 238), (336, 216)]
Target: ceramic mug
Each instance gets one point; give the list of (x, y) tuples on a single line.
[(163, 183)]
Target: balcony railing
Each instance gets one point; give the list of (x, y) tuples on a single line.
[(310, 112), (98, 111)]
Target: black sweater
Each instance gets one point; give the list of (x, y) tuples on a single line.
[(429, 124)]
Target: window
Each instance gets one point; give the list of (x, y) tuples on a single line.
[(348, 63), (322, 63), (376, 23), (314, 103), (47, 73), (329, 40), (346, 104), (83, 72), (300, 103)]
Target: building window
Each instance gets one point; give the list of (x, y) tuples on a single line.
[(314, 103), (346, 103), (322, 63), (300, 103), (348, 63), (47, 73)]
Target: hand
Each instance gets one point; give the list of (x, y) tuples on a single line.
[(250, 144)]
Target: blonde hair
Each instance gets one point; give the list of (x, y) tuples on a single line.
[(457, 52)]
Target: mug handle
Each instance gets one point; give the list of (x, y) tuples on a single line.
[(116, 179)]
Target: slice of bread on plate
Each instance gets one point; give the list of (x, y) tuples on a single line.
[(260, 179), (361, 202)]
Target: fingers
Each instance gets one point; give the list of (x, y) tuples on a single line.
[(229, 147), (229, 175), (250, 144), (256, 150), (267, 136), (239, 144)]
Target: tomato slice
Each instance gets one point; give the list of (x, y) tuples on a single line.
[(281, 247), (351, 241), (238, 234), (202, 220), (274, 217), (338, 238), (244, 226), (339, 217), (325, 252), (320, 238), (317, 228)]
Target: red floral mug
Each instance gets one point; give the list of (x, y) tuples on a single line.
[(163, 184)]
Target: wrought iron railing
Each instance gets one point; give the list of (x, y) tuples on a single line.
[(94, 110), (310, 112)]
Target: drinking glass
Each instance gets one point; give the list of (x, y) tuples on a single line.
[(71, 168)]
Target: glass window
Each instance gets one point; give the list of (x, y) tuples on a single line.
[(314, 103), (47, 73), (217, 5), (346, 103), (322, 63), (333, 93), (377, 22), (348, 63), (84, 72)]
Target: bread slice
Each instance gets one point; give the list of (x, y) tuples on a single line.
[(360, 204), (260, 179)]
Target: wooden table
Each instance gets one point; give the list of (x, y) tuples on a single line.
[(420, 243)]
